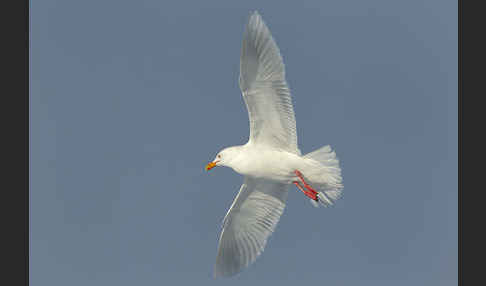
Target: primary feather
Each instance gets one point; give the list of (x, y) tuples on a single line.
[(250, 220)]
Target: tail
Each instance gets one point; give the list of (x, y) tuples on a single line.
[(325, 175)]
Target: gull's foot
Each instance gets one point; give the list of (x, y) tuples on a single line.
[(311, 193), (307, 186), (315, 197), (301, 177)]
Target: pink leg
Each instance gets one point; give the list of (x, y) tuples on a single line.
[(307, 193), (301, 177), (310, 190), (300, 187)]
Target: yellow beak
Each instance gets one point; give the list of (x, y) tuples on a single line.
[(210, 165)]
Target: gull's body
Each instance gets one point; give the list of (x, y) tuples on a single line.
[(266, 163), (271, 160), (261, 162)]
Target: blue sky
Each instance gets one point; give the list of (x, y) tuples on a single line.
[(130, 99)]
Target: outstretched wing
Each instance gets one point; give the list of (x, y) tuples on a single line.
[(264, 89), (248, 223)]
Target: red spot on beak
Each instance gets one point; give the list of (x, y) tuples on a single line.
[(210, 165)]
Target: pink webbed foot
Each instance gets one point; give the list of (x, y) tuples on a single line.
[(310, 192)]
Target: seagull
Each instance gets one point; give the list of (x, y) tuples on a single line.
[(270, 161)]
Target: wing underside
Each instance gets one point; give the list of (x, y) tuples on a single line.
[(249, 222), (265, 90)]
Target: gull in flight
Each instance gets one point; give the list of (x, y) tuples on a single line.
[(270, 161)]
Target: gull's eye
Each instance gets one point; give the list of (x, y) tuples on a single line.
[(219, 156)]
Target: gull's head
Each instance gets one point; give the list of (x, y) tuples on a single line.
[(225, 157)]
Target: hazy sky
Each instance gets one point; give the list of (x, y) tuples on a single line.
[(130, 99)]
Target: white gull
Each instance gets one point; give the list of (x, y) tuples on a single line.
[(271, 160)]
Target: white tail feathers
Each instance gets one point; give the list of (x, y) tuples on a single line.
[(314, 203), (334, 194), (324, 154), (322, 199), (325, 175)]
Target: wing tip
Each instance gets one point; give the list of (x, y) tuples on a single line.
[(221, 273), (217, 273), (254, 18)]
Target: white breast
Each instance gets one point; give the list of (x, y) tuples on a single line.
[(269, 164)]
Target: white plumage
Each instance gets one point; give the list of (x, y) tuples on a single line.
[(270, 158)]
